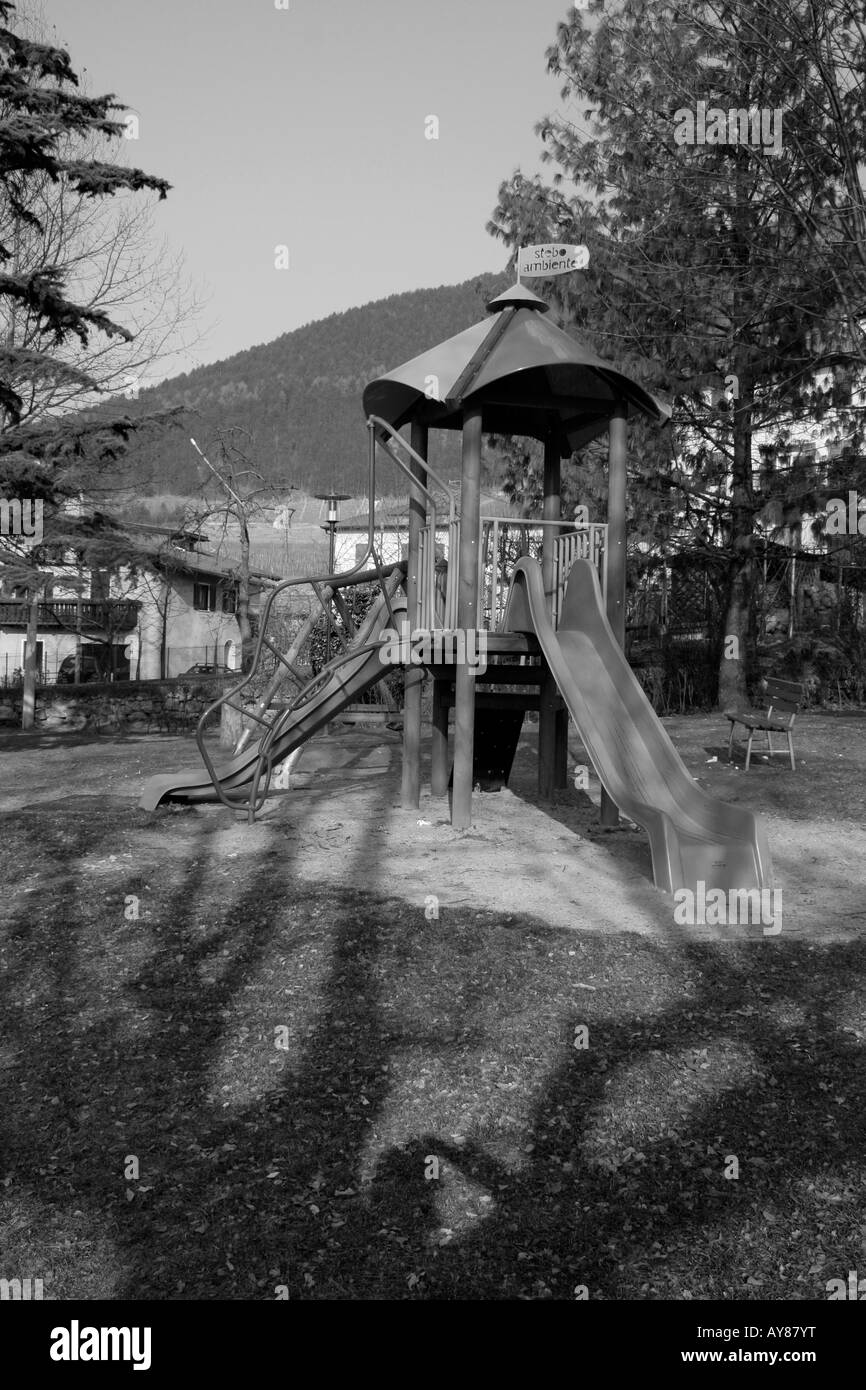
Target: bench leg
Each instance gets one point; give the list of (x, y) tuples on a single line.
[(791, 751), (731, 741), (749, 748)]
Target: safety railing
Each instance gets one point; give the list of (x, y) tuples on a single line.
[(503, 541), (437, 607), (586, 542)]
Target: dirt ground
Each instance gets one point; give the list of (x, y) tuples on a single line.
[(268, 1022), (341, 824)]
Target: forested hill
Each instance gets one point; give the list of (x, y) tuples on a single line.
[(300, 395)]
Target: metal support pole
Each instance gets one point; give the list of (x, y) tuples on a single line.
[(413, 677), (550, 774), (467, 617), (332, 549), (616, 537)]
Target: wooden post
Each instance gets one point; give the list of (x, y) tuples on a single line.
[(550, 772), (616, 537), (440, 770), (413, 678), (467, 617), (560, 759)]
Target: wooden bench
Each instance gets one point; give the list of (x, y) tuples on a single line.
[(784, 699)]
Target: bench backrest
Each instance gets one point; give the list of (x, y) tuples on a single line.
[(783, 697)]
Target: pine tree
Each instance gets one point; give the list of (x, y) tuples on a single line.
[(730, 263), (52, 136), (45, 125)]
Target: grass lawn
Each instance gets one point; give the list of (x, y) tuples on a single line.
[(322, 1090)]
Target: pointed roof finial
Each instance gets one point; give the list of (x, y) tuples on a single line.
[(520, 297)]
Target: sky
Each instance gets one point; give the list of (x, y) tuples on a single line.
[(305, 128)]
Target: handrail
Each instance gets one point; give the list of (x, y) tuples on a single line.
[(263, 704), (329, 581), (375, 422), (307, 691), (273, 685), (303, 697)]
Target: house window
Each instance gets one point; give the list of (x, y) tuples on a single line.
[(204, 597), (100, 586), (230, 600)]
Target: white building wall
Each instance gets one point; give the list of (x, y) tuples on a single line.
[(391, 544), (192, 635)]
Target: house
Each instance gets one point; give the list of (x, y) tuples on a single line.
[(104, 626), (391, 531), (187, 598), (174, 609)]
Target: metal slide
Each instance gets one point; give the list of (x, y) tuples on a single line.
[(692, 836), (239, 777)]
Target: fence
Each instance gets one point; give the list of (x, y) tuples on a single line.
[(111, 665), (809, 616)]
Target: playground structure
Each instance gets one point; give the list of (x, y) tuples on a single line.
[(554, 625)]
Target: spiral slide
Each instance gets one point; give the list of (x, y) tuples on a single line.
[(345, 684), (693, 836)]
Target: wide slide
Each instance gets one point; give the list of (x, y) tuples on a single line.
[(346, 683), (693, 837)]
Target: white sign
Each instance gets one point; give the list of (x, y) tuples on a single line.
[(552, 259)]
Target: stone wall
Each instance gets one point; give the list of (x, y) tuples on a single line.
[(140, 707)]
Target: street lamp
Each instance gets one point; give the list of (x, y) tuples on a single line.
[(332, 499)]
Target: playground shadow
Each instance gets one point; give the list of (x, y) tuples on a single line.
[(561, 1220), (262, 1170), (246, 1196)]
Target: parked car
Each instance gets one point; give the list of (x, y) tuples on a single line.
[(207, 671), (90, 670)]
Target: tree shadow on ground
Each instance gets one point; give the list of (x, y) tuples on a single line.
[(252, 1159)]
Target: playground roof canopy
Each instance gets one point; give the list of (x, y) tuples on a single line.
[(529, 376)]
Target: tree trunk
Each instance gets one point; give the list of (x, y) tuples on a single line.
[(733, 669), (162, 609), (243, 615), (231, 720), (28, 708), (739, 648), (231, 726)]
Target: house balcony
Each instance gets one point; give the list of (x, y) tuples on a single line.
[(62, 615)]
